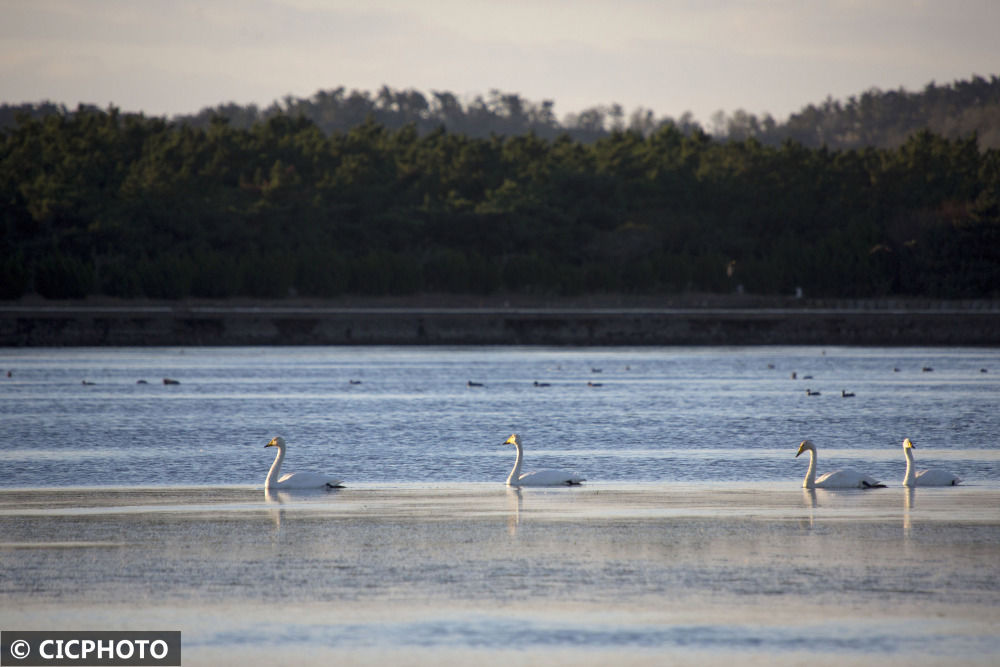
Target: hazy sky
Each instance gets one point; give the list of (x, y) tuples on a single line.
[(671, 56)]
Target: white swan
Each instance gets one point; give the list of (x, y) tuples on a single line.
[(845, 478), (932, 477), (294, 480), (539, 477)]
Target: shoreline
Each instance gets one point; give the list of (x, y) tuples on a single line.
[(442, 320)]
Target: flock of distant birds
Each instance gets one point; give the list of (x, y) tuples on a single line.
[(88, 383), (473, 383), (845, 478), (849, 394)]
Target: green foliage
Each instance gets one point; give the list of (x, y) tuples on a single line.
[(60, 277), (14, 277), (95, 202)]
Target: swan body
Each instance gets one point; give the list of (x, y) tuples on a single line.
[(294, 480), (931, 477), (539, 477), (846, 478)]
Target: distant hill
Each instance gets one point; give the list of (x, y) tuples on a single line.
[(884, 119), (875, 118)]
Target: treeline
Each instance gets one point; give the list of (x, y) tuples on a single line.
[(880, 118), (875, 118), (98, 202), (338, 110)]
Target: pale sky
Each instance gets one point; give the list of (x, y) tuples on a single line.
[(166, 57)]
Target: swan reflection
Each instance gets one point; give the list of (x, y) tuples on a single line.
[(277, 500), (275, 510), (514, 500), (809, 499), (909, 497)]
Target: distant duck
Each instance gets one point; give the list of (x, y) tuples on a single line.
[(810, 392), (169, 381), (847, 394), (770, 367), (895, 370), (926, 369), (846, 478), (141, 382), (595, 384), (981, 370), (88, 383), (931, 477), (596, 370), (807, 377), (542, 384), (470, 383), (795, 375), (354, 381)]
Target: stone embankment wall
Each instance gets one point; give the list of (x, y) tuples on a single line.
[(221, 325)]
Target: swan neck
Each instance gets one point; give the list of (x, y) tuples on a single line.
[(810, 481), (272, 474), (515, 473), (910, 472)]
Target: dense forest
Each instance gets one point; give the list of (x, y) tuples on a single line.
[(875, 118), (100, 202)]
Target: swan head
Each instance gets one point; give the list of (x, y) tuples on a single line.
[(514, 439), (276, 441), (806, 445), (907, 444)]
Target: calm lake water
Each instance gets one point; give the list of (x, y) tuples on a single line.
[(141, 506), (659, 414)]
